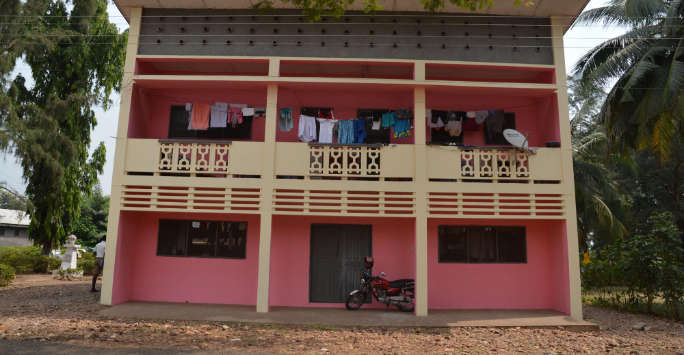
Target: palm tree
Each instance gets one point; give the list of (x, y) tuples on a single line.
[(598, 199), (645, 105)]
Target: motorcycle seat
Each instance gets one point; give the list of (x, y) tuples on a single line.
[(401, 283)]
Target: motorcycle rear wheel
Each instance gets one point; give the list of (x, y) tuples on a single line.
[(406, 307), (354, 301)]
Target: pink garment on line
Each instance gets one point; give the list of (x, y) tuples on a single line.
[(235, 115)]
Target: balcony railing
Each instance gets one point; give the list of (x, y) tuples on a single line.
[(354, 161), (491, 165), (194, 157), (494, 164), (346, 162)]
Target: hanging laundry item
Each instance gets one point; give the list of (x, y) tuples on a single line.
[(200, 116), (388, 119), (345, 132), (325, 134), (435, 119), (454, 123), (235, 115), (285, 122), (328, 114), (188, 109), (494, 124), (360, 130), (404, 114), (248, 111), (481, 116), (402, 128), (376, 124), (469, 123), (307, 128), (219, 114)]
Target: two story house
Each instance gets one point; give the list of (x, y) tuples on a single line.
[(260, 156)]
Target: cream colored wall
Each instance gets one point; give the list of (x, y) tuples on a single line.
[(567, 169), (120, 155)]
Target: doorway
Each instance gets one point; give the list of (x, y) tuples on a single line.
[(337, 252)]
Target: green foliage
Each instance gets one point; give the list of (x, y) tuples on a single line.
[(314, 9), (12, 200), (53, 263), (76, 58), (86, 263), (642, 270), (26, 259), (600, 206), (91, 225), (645, 106), (652, 262), (6, 275)]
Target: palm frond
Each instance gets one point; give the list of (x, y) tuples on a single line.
[(613, 57), (674, 83)]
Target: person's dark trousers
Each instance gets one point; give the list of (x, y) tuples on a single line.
[(99, 263)]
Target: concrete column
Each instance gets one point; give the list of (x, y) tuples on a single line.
[(568, 185), (120, 156), (267, 180), (420, 194)]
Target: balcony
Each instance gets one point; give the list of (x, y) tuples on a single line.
[(300, 161), (371, 180)]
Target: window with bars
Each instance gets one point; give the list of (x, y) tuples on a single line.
[(482, 244), (211, 239)]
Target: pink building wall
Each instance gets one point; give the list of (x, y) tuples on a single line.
[(151, 108), (541, 283), (345, 101), (141, 275), (534, 114), (393, 249)]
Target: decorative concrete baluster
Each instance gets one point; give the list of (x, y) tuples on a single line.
[(373, 161)]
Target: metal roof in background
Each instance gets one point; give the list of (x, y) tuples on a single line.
[(14, 218)]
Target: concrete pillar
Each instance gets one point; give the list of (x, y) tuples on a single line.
[(568, 185), (268, 175), (420, 193), (120, 156)]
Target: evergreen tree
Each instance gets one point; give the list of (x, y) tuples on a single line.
[(76, 59)]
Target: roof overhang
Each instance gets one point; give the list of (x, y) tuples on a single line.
[(567, 9)]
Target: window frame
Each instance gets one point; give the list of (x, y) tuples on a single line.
[(469, 228), (187, 236)]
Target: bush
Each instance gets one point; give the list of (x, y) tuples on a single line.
[(6, 275), (642, 273), (87, 263), (53, 263), (24, 259)]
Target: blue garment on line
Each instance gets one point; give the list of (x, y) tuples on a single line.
[(345, 132), (360, 130), (402, 128)]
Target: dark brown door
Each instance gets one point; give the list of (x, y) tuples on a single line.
[(337, 252)]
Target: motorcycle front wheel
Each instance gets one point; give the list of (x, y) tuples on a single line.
[(354, 301)]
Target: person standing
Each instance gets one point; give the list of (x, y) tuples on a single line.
[(99, 262)]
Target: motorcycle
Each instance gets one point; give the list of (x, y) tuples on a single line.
[(400, 293)]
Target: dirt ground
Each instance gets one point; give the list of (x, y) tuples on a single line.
[(38, 308)]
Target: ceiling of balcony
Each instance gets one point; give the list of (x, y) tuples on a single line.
[(542, 8)]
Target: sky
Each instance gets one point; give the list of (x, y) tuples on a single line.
[(577, 41)]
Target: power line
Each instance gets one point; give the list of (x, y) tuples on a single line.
[(507, 37), (422, 15)]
